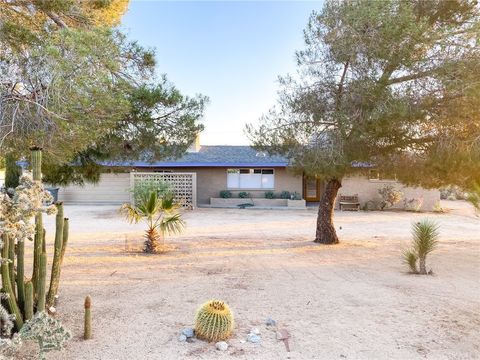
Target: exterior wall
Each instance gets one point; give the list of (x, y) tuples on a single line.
[(111, 189), (210, 181), (114, 188), (368, 190)]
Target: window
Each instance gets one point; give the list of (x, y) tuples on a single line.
[(250, 179)]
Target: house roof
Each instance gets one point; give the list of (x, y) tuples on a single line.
[(213, 156)]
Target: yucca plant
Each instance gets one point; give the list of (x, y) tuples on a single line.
[(410, 258), (425, 239), (160, 212), (473, 197)]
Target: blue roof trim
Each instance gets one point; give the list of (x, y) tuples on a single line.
[(189, 164)]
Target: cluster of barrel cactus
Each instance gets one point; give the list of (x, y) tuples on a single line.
[(26, 298), (214, 321)]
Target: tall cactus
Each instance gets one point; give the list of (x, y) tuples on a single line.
[(7, 284), (42, 282), (38, 239), (28, 306), (55, 275), (25, 297), (11, 265), (21, 274), (65, 239)]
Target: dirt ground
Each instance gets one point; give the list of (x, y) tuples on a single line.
[(354, 300)]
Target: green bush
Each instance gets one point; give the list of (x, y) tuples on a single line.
[(225, 194), (143, 189), (243, 195), (269, 195), (296, 196), (285, 195)]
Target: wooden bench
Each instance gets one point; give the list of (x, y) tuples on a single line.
[(349, 202)]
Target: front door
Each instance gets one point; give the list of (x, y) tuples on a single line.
[(311, 189)]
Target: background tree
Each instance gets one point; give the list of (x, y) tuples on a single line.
[(64, 76), (25, 22), (47, 44), (78, 81), (161, 123), (392, 83)]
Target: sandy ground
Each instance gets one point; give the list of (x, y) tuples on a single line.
[(349, 301)]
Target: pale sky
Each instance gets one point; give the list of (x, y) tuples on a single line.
[(233, 52)]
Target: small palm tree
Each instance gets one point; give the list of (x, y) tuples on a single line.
[(161, 215), (425, 240)]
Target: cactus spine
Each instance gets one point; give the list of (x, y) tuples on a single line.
[(55, 275), (214, 321), (87, 333), (7, 284), (28, 307)]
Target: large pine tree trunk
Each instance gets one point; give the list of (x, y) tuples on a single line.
[(326, 233)]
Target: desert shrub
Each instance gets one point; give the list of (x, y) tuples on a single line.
[(453, 193), (225, 194), (269, 195), (371, 205), (473, 197), (284, 195), (46, 331), (414, 204), (243, 195), (6, 320), (425, 239), (296, 196), (438, 207), (390, 196)]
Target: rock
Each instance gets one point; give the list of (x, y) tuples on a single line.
[(255, 331), (221, 345), (182, 338), (188, 332), (253, 338), (270, 322)]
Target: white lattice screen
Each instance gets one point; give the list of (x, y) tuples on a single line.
[(183, 184)]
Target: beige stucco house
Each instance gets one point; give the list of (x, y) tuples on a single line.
[(211, 169)]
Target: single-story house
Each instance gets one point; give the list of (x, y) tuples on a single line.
[(207, 170)]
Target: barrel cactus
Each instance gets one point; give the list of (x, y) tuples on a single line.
[(214, 321)]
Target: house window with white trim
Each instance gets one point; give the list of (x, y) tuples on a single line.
[(250, 179)]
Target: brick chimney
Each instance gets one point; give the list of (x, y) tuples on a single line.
[(195, 146)]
